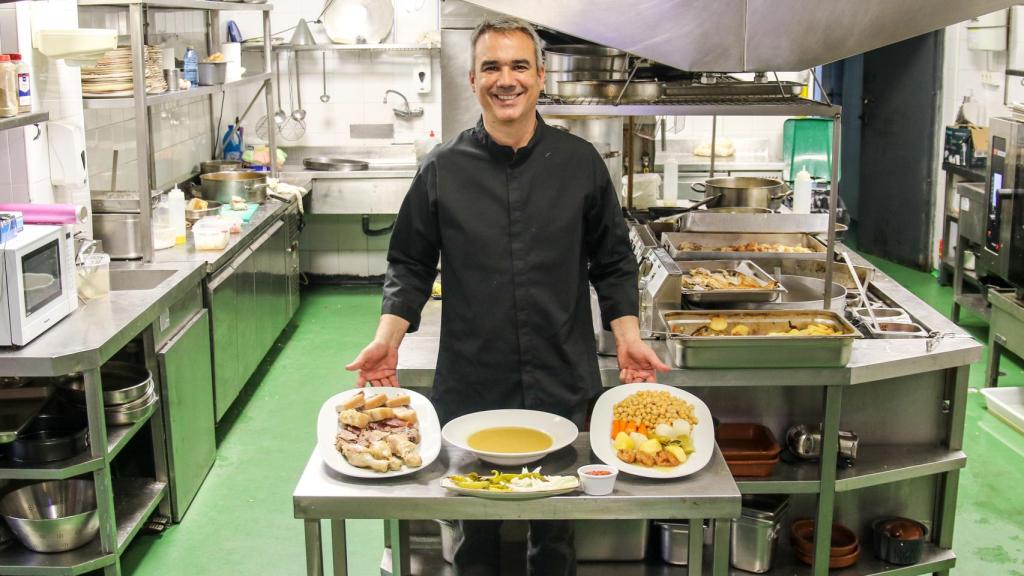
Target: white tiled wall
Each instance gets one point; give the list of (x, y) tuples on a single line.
[(334, 244), (356, 81), (180, 141)]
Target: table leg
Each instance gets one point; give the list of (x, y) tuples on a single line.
[(314, 550), (396, 534), (995, 349), (339, 551), (721, 547), (695, 561)]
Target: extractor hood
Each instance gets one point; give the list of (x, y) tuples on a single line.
[(744, 35)]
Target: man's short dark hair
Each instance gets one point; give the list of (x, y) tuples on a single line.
[(505, 24)]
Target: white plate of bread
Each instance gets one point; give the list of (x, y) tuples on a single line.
[(378, 432)]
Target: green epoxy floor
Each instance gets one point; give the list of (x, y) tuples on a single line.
[(241, 522)]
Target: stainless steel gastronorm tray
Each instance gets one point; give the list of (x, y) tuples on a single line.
[(747, 267), (690, 351), (710, 240)]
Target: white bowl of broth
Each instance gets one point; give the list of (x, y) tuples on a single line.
[(510, 437)]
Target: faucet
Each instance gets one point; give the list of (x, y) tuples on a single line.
[(405, 112)]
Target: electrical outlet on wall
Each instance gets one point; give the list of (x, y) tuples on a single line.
[(990, 78), (421, 74)]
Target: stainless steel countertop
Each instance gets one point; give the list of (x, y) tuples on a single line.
[(323, 493), (871, 360), (99, 328), (90, 335), (1007, 301), (264, 216), (736, 163)]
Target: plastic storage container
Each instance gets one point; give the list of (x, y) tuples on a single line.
[(749, 449), (24, 84), (163, 228), (755, 534), (93, 276), (211, 234), (8, 87)]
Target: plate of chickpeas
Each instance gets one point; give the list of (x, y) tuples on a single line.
[(652, 430)]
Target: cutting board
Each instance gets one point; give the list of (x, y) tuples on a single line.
[(245, 216)]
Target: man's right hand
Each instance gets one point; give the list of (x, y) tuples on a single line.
[(377, 365)]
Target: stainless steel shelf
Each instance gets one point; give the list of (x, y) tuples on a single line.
[(23, 120), (141, 497), (164, 98), (183, 4), (722, 106), (51, 471), (134, 501), (886, 464), (785, 479), (934, 559), (977, 303), (875, 465), (258, 47), (118, 436)]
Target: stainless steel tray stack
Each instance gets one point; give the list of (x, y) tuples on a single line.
[(709, 241), (771, 291), (758, 350)]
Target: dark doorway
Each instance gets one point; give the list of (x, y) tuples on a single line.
[(897, 151)]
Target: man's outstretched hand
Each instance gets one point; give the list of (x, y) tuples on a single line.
[(377, 365), (638, 363)]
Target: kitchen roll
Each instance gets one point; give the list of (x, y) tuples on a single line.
[(49, 213)]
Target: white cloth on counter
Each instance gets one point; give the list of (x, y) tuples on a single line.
[(285, 190)]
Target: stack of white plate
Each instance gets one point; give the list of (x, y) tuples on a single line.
[(112, 76)]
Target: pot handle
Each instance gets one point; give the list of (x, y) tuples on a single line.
[(788, 192), (703, 187)]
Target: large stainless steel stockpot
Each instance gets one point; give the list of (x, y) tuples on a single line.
[(222, 186), (578, 57), (742, 191)]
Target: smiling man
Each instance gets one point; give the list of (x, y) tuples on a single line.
[(524, 217)]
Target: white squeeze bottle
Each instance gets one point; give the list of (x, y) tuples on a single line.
[(670, 188), (176, 202), (802, 192)]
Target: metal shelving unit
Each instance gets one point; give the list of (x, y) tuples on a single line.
[(142, 102), (167, 97), (23, 120), (346, 48)]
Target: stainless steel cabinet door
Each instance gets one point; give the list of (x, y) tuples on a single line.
[(186, 384), (223, 299), (250, 351)]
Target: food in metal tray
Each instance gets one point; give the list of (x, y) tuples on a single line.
[(378, 432), (704, 279), (653, 428), (525, 481), (719, 326), (745, 247)]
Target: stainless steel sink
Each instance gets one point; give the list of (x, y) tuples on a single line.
[(135, 279)]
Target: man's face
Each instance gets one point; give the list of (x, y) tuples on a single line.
[(506, 77)]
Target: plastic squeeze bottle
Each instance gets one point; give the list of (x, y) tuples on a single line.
[(176, 203), (802, 192), (670, 188), (191, 66)]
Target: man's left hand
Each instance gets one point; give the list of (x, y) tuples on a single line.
[(638, 362)]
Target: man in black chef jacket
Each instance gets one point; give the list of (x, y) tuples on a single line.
[(524, 217)]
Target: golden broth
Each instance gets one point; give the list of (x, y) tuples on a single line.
[(509, 440)]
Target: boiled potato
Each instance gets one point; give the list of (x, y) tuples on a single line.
[(740, 330), (624, 442), (718, 323), (638, 438), (651, 447), (678, 452)]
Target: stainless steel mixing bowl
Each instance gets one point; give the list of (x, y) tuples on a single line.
[(53, 516)]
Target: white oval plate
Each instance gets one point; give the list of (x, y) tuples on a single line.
[(561, 430), (450, 486), (327, 432), (346, 21), (601, 432)]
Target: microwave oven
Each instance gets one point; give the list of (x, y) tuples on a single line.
[(37, 283)]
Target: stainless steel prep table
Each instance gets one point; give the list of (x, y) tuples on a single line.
[(323, 494)]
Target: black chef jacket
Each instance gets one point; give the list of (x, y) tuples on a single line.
[(520, 234)]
